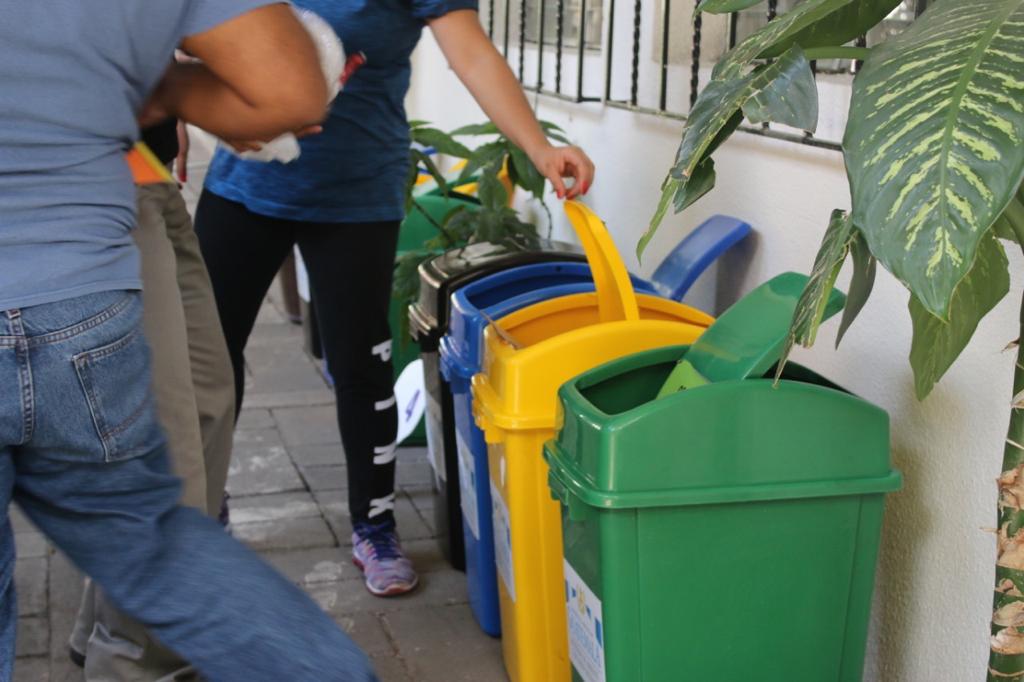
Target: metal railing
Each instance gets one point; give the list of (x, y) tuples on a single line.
[(672, 12)]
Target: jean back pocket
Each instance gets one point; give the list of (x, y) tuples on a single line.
[(116, 381)]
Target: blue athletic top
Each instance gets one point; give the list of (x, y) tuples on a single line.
[(355, 170)]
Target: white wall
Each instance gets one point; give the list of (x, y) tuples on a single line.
[(935, 575)]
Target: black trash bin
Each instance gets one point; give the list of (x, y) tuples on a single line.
[(440, 277)]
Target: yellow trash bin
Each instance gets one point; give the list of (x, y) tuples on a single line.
[(528, 356)]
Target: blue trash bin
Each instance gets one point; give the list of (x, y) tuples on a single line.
[(471, 309)]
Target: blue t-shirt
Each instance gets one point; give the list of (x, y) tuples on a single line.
[(355, 170), (73, 76)]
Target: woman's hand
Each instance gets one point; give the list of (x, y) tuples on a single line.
[(241, 146), (556, 163), (485, 72)]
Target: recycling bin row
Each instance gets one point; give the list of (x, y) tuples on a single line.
[(623, 481)]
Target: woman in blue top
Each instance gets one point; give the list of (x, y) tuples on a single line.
[(342, 202)]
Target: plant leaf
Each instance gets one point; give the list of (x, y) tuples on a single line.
[(700, 183), (937, 344), (810, 309), (482, 156), (721, 99), (819, 298), (492, 193), (864, 268), (846, 23), (432, 168), (441, 141), (812, 23), (554, 132), (1010, 225), (477, 129), (525, 173), (411, 176), (725, 6), (417, 123), (934, 145), (790, 99), (669, 187), (672, 186)]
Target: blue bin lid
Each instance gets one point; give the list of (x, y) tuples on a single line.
[(501, 294)]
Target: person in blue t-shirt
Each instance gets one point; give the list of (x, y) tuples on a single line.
[(342, 202)]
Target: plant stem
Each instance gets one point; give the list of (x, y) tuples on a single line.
[(837, 52), (1006, 655), (440, 228)]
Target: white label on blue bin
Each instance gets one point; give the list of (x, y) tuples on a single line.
[(586, 627), (502, 541), (435, 436), (467, 484)]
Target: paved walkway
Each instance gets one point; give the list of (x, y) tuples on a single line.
[(289, 502)]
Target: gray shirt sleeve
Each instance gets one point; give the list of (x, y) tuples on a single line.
[(202, 15)]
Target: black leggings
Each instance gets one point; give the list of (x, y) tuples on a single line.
[(350, 267)]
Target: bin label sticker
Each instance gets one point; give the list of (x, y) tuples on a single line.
[(502, 541), (586, 627), (435, 439), (467, 484)]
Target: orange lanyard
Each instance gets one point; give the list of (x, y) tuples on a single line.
[(146, 168)]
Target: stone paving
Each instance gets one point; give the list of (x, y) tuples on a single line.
[(288, 492)]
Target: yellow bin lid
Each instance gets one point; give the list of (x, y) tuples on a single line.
[(530, 353)]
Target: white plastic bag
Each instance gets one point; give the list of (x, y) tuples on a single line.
[(332, 61)]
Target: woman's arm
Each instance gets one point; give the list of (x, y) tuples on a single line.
[(485, 73), (260, 76)]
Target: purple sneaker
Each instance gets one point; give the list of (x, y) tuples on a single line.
[(375, 550)]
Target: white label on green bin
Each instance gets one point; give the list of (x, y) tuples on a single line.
[(467, 484), (502, 541), (435, 439), (586, 627)]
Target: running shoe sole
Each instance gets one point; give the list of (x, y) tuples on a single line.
[(393, 591)]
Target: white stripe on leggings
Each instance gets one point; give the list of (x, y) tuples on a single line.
[(381, 505), (382, 405), (385, 454), (383, 350)]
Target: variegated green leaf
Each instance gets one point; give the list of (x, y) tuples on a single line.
[(937, 344), (861, 284), (668, 191), (812, 23), (935, 143), (1010, 225), (700, 183), (721, 99), (783, 92), (810, 310), (725, 6), (791, 99), (819, 299)]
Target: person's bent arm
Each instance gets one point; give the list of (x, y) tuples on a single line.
[(260, 77), (485, 73)]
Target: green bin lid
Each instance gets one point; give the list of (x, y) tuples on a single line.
[(725, 442)]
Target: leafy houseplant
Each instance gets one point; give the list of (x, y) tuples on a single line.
[(934, 151), (498, 167)]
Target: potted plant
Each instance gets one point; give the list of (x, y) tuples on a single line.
[(934, 151), (496, 168)]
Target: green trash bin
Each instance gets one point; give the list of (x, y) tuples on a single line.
[(728, 532)]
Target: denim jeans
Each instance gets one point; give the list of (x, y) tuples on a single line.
[(82, 453)]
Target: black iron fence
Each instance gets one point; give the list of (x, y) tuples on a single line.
[(589, 34)]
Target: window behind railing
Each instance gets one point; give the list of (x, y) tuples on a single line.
[(650, 56)]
